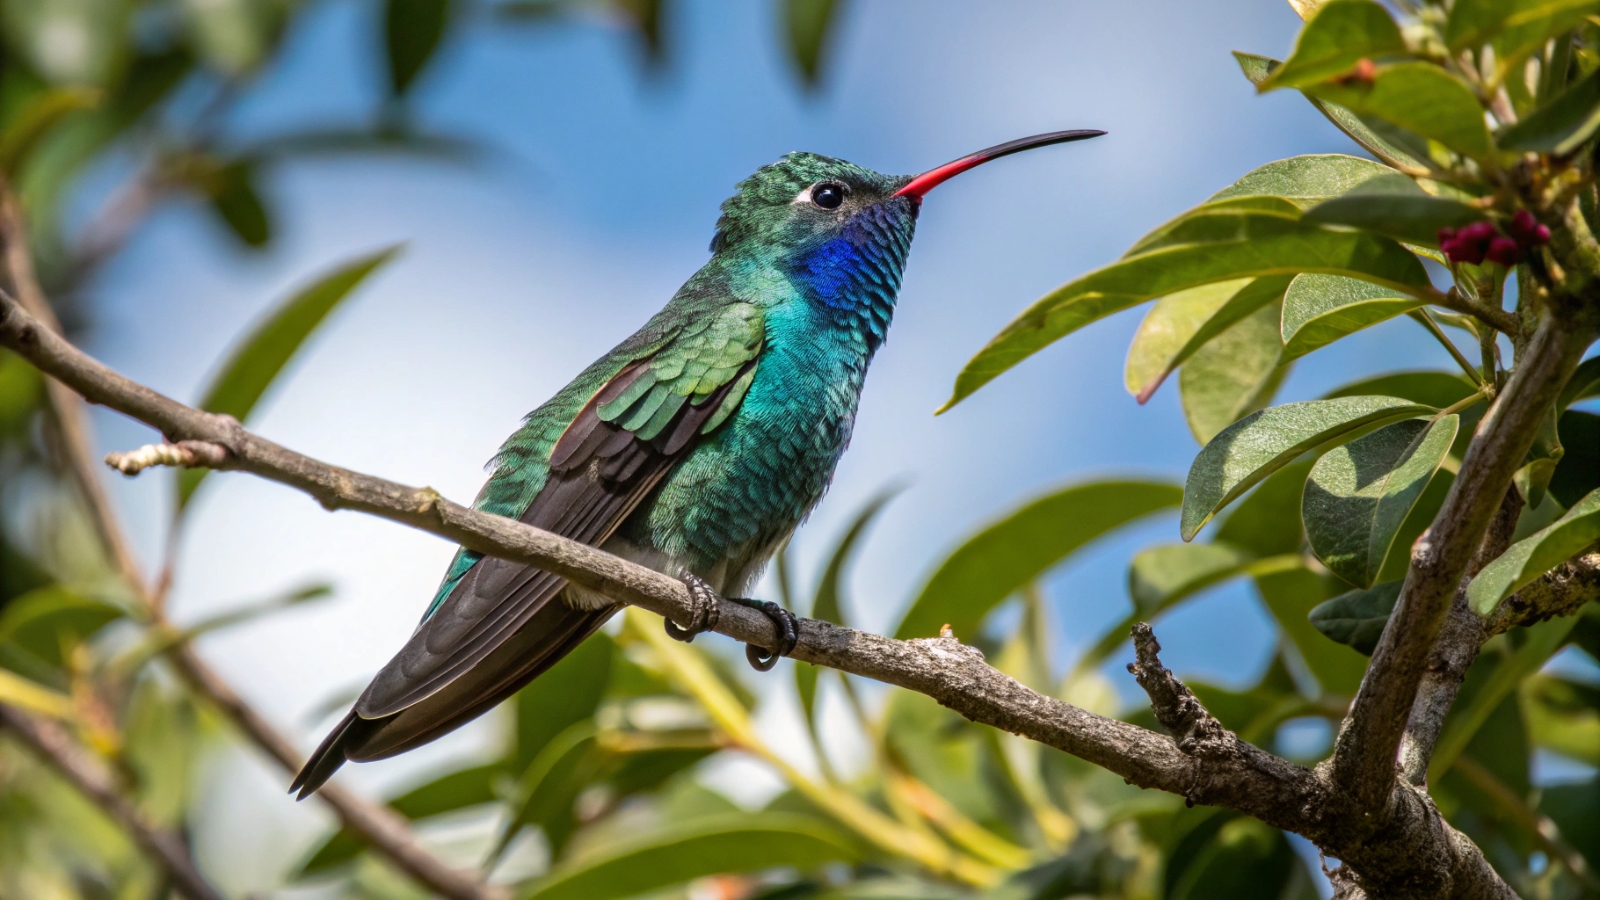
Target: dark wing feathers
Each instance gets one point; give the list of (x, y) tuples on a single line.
[(618, 448)]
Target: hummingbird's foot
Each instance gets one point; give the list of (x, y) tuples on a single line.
[(703, 617), (788, 628)]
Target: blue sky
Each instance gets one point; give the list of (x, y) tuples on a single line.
[(597, 200)]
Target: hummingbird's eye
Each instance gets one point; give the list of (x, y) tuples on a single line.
[(828, 194)]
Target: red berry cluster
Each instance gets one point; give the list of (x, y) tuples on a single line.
[(1481, 241)]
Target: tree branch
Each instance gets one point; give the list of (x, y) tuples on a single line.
[(52, 744), (1420, 848), (1364, 760)]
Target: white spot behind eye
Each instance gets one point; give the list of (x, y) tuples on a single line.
[(804, 196)]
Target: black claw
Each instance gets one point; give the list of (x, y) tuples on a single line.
[(707, 609), (788, 628)]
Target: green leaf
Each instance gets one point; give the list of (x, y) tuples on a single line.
[(232, 36), (1306, 181), (811, 24), (1267, 521), (234, 197), (1248, 860), (1537, 554), (1356, 618), (1222, 247), (157, 641), (1263, 442), (1178, 325), (1000, 559), (1234, 375), (46, 620), (1584, 383), (449, 792), (568, 694), (1321, 309), (743, 842), (1340, 34), (33, 696), (1472, 22), (1578, 472), (1425, 386), (1362, 131), (1421, 519), (1542, 642), (1395, 206), (412, 30), (1210, 220), (258, 358), (548, 787), (1360, 494), (1419, 97), (1560, 126), (1575, 808), (37, 119)]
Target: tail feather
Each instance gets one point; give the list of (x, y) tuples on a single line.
[(351, 732)]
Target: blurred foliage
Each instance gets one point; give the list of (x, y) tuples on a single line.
[(597, 789)]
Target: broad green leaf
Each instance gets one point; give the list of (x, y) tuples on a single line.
[(1234, 375), (1263, 442), (257, 359), (1321, 309), (1290, 595), (1564, 716), (1537, 554), (1234, 246), (1560, 126), (20, 385), (1267, 521), (1340, 34), (1578, 472), (1209, 220), (1472, 22), (1360, 494), (1539, 466), (1584, 383), (1000, 559), (1180, 324), (1542, 641), (412, 32), (643, 863), (1575, 809), (811, 24), (36, 120), (1362, 131), (1395, 206), (1423, 512), (1306, 181), (1432, 388), (455, 790), (1247, 860), (1356, 618), (1419, 97), (567, 694)]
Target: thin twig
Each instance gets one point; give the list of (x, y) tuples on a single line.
[(52, 744), (1422, 315)]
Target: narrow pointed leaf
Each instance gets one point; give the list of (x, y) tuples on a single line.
[(548, 786), (1321, 309), (743, 842), (1560, 126), (37, 119), (1536, 554), (1419, 97), (261, 354), (447, 793), (1357, 618), (1257, 68), (33, 697), (1000, 559), (1167, 573), (1234, 375), (1263, 442), (811, 24), (1584, 383), (1337, 36), (1359, 494), (1237, 246), (1306, 181), (413, 30)]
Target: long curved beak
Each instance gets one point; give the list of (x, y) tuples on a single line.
[(932, 178)]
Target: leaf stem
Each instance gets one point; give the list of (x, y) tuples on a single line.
[(1421, 315)]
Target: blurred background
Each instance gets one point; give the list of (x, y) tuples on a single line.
[(551, 172)]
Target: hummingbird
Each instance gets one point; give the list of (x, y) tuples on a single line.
[(695, 447)]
